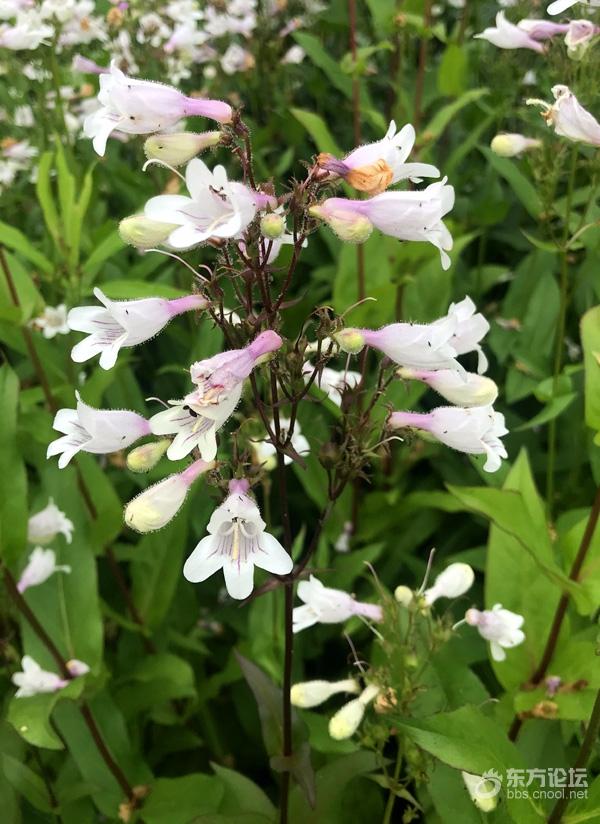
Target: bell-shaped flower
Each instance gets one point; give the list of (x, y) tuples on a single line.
[(580, 34), (505, 35), (333, 382), (179, 147), (476, 430), (323, 605), (236, 543), (40, 566), (215, 207), (33, 680), (501, 627), (142, 106), (99, 431), (375, 166), (568, 117), (265, 453), (513, 145), (463, 389), (123, 323), (153, 508), (52, 322), (309, 694), (45, 525), (558, 6), (471, 328), (347, 720), (453, 582), (414, 216)]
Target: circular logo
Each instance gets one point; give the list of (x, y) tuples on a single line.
[(489, 785)]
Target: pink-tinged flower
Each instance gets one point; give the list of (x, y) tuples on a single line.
[(374, 167), (142, 107), (542, 29), (453, 582), (513, 145), (40, 566), (44, 526), (459, 388), (86, 66), (196, 419), (476, 430), (323, 605), (77, 668), (579, 35), (562, 5), (405, 215), (236, 543), (153, 508), (98, 431), (568, 117), (215, 208), (123, 323), (28, 32), (506, 35), (501, 627), (33, 680)]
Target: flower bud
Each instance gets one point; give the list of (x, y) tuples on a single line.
[(153, 508), (510, 145), (346, 223), (180, 147), (403, 595), (77, 668), (143, 233), (454, 581), (144, 458), (272, 225), (350, 340), (483, 791), (312, 693), (346, 720)]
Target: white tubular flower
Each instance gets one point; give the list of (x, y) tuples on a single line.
[(266, 454), (347, 719), (462, 389), (513, 145), (123, 323), (33, 680), (484, 794), (501, 627), (44, 526), (453, 582), (323, 605), (333, 382), (236, 543), (476, 431), (562, 5), (99, 431), (471, 328), (215, 207), (312, 693), (506, 35), (568, 117), (52, 322), (41, 565), (28, 32), (375, 166), (153, 508)]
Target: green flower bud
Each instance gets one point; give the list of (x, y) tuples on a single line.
[(143, 233), (144, 458), (272, 226), (350, 340), (176, 149)]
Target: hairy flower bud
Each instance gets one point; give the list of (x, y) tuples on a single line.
[(347, 224), (143, 233), (312, 693), (144, 458), (180, 147), (272, 225), (346, 720), (511, 145), (404, 595), (350, 340)]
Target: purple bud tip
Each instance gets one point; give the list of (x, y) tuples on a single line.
[(239, 486), (266, 342), (400, 420), (186, 304), (190, 474)]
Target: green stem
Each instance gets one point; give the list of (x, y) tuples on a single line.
[(389, 807)]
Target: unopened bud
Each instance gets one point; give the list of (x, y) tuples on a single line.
[(272, 226), (404, 595), (350, 340), (346, 223), (313, 693), (180, 147), (510, 145), (77, 668), (144, 458), (483, 792), (143, 233)]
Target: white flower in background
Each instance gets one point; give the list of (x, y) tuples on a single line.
[(236, 59), (99, 431), (333, 382), (375, 166), (33, 680), (23, 116), (513, 145), (123, 323), (568, 117), (501, 627), (28, 32), (52, 322), (483, 792), (11, 8), (294, 55), (506, 35), (476, 430), (77, 668), (347, 719), (41, 565), (309, 694), (215, 208), (463, 389), (529, 78), (323, 605), (20, 151), (266, 454), (153, 508), (562, 5), (142, 107), (343, 541), (453, 582), (45, 525), (236, 543)]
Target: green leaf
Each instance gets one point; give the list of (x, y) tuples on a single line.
[(318, 130), (13, 477), (321, 58), (66, 195), (78, 216), (27, 783), (452, 70), (243, 795), (18, 242), (43, 189), (31, 716), (105, 250), (523, 188), (181, 800), (552, 410), (590, 339), (447, 113)]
